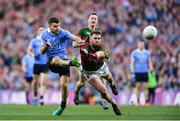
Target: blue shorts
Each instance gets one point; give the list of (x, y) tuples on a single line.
[(29, 79), (40, 68), (141, 77)]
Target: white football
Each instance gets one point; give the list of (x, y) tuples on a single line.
[(150, 32)]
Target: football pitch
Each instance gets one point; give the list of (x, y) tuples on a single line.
[(87, 112)]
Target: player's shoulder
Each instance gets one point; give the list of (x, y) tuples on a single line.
[(85, 29), (32, 42), (135, 51), (146, 51), (46, 31), (35, 38), (25, 57), (64, 31)]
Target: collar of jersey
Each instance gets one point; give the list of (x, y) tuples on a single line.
[(48, 29), (38, 37), (141, 50)]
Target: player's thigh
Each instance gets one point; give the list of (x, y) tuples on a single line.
[(35, 77), (138, 85), (28, 86), (64, 79), (108, 76), (97, 84), (56, 60), (145, 85), (103, 81)]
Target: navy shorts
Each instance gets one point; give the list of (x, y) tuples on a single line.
[(59, 69), (141, 77), (40, 68), (29, 79)]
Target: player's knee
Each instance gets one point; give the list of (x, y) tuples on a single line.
[(35, 81), (55, 60), (64, 85), (138, 87), (103, 94), (82, 83), (145, 86)]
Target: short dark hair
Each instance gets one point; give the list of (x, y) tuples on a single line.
[(53, 20), (93, 13), (96, 31)]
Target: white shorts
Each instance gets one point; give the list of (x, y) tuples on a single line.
[(101, 72)]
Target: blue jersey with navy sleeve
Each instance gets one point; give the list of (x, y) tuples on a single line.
[(28, 61), (58, 42), (35, 44), (140, 60)]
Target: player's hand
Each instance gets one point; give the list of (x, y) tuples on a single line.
[(133, 77), (107, 56), (92, 55), (48, 43), (84, 52), (81, 43)]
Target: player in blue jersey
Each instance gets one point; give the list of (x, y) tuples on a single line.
[(40, 66), (27, 68), (140, 66), (55, 42)]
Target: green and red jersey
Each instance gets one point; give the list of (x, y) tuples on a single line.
[(89, 61)]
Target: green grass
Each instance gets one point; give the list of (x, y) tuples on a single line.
[(87, 112)]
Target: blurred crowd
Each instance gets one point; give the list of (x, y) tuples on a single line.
[(121, 21)]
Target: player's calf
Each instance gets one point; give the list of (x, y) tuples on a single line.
[(76, 99), (116, 109), (114, 89)]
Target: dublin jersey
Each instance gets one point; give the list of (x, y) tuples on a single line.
[(58, 42), (140, 60), (35, 45), (28, 61)]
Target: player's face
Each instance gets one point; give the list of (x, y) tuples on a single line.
[(141, 45), (40, 30), (93, 19), (54, 27), (95, 40)]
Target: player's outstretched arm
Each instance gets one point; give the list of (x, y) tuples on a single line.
[(103, 55), (77, 41), (30, 52), (44, 49), (132, 64)]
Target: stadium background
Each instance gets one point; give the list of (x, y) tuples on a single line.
[(121, 21)]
